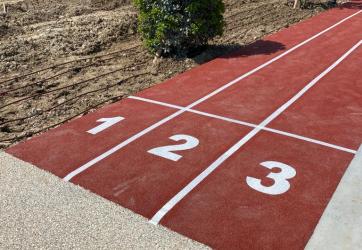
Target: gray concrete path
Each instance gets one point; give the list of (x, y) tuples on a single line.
[(39, 210)]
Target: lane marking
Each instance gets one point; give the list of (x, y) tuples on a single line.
[(252, 125), (106, 123), (280, 179), (187, 189), (168, 152), (215, 92)]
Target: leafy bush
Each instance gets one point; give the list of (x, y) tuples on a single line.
[(176, 26)]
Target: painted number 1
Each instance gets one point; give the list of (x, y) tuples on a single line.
[(281, 183), (167, 151)]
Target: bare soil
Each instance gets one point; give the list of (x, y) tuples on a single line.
[(62, 59)]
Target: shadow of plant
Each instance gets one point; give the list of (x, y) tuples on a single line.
[(356, 5), (261, 47)]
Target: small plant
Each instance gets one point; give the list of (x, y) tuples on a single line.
[(178, 26)]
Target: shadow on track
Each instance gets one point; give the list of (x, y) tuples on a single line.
[(356, 5), (261, 47)]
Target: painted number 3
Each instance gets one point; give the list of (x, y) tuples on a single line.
[(281, 183)]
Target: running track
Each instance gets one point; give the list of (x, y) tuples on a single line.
[(261, 139)]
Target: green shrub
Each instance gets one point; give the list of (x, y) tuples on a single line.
[(177, 26)]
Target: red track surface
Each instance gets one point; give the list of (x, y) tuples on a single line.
[(223, 211)]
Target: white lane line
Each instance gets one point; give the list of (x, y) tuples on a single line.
[(186, 190), (159, 123), (252, 125)]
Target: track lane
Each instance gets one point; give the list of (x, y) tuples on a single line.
[(256, 96), (225, 213), (63, 149), (142, 181), (332, 112)]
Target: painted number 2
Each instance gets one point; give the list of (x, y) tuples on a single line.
[(281, 183), (167, 151)]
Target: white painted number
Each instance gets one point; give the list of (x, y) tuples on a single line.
[(106, 123), (167, 151), (281, 185)]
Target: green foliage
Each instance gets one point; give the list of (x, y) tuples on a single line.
[(176, 26)]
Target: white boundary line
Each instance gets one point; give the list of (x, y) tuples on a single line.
[(186, 190), (170, 117), (276, 131)]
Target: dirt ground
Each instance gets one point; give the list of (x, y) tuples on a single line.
[(61, 59)]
